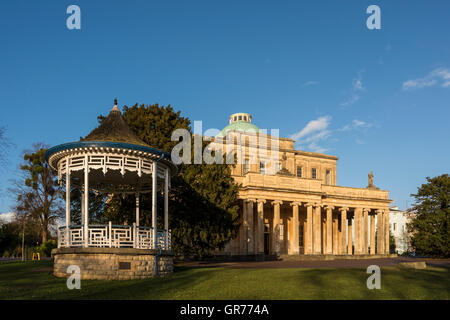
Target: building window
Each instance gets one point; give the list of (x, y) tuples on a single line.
[(314, 173), (328, 176), (245, 118), (262, 167), (240, 118), (246, 166), (395, 226), (235, 118), (299, 172)]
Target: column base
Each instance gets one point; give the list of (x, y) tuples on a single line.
[(291, 257)]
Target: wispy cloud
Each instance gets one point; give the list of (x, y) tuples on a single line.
[(310, 83), (313, 132), (355, 124), (315, 148), (355, 92), (318, 131), (439, 76), (312, 126)]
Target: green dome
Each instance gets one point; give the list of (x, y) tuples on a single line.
[(239, 126)]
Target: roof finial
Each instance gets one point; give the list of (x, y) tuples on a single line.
[(115, 108)]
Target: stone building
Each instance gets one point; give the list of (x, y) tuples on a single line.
[(398, 220), (290, 202)]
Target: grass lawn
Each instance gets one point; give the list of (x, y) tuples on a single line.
[(33, 280)]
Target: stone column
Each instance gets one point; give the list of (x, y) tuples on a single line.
[(260, 228), (366, 231), (295, 226), (323, 221), (380, 248), (335, 234), (309, 229), (276, 226), (317, 246), (372, 234), (329, 210), (386, 232), (250, 228), (350, 237), (343, 239), (358, 218), (243, 229)]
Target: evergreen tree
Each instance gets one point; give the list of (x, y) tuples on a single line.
[(430, 227), (203, 211)]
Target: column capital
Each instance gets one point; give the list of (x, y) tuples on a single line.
[(343, 209), (249, 200), (309, 204), (261, 200), (366, 210), (277, 202), (326, 207), (295, 203), (379, 211)]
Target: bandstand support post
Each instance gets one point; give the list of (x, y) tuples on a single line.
[(110, 234), (134, 236), (137, 209), (86, 202), (154, 199), (166, 207), (67, 203)]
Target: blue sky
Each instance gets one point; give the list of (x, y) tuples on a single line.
[(377, 99)]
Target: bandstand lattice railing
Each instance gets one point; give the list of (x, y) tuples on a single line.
[(113, 236)]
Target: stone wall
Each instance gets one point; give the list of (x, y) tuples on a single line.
[(112, 263)]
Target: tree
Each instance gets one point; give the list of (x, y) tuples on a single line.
[(38, 192), (392, 244), (203, 209), (11, 234), (431, 218)]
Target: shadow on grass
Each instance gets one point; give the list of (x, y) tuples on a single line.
[(32, 280)]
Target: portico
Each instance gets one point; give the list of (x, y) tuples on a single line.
[(291, 203), (314, 228)]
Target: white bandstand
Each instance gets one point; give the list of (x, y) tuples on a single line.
[(114, 161)]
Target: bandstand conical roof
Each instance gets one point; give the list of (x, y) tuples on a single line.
[(114, 128), (112, 135)]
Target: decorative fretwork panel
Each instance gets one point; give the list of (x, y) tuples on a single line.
[(108, 162), (104, 236)]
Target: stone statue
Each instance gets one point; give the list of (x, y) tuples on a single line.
[(371, 179), (283, 163)]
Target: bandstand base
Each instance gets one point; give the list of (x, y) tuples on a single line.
[(113, 263)]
